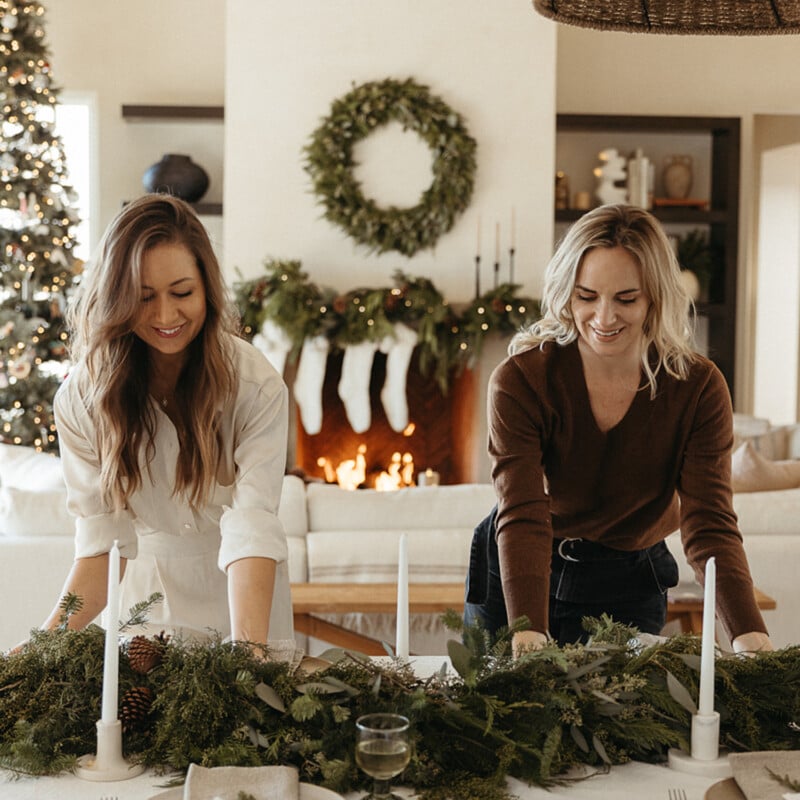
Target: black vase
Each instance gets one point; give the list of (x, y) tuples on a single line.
[(177, 175)]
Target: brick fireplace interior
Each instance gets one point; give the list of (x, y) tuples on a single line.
[(440, 436)]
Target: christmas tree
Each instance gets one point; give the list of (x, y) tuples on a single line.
[(37, 216)]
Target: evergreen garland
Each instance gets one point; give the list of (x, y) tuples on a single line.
[(448, 340), (330, 162), (221, 704)]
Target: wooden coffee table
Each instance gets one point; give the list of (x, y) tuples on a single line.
[(311, 599)]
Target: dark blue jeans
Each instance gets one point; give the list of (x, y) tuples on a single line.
[(586, 580)]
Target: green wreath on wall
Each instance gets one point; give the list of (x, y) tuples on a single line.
[(329, 162)]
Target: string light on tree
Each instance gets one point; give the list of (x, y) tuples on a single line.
[(37, 218)]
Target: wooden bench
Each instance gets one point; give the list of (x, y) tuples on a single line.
[(311, 599)]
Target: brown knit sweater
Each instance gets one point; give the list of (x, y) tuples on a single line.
[(665, 465)]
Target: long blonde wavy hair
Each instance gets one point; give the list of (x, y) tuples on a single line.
[(115, 379), (667, 327)]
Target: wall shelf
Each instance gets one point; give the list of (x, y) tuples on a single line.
[(178, 113), (720, 140), (172, 112)]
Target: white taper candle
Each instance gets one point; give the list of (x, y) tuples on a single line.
[(401, 644), (111, 658), (706, 704)]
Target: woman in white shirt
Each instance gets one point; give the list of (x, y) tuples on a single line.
[(173, 437)]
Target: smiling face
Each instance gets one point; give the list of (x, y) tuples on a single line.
[(173, 301), (609, 305)]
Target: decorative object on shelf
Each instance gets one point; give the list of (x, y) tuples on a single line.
[(640, 180), (562, 190), (534, 718), (677, 177), (583, 201), (722, 17), (177, 175), (609, 176), (694, 254), (691, 284), (447, 340), (329, 162)]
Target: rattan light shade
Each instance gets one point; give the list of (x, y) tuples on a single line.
[(720, 17)]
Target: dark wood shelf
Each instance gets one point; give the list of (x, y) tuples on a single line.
[(721, 219), (208, 209), (173, 112)]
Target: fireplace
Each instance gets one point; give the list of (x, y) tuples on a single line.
[(439, 437)]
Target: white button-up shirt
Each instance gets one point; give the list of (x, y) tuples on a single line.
[(174, 549)]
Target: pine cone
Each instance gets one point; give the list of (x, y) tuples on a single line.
[(144, 653), (135, 707)]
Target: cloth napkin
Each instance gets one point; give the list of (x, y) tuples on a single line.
[(225, 783), (750, 773)]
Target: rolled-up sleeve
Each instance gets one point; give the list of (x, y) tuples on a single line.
[(97, 526), (250, 526)]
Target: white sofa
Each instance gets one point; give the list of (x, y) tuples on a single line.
[(336, 535)]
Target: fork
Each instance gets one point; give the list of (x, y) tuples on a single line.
[(676, 794)]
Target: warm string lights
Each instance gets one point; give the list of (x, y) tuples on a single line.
[(37, 217)]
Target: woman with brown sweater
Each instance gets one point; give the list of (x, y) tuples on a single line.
[(607, 432)]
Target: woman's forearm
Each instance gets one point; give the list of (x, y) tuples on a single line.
[(88, 580), (251, 582)]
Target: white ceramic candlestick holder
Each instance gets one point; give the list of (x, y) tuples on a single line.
[(705, 758), (108, 763)]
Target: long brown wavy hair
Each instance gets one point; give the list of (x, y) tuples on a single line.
[(116, 369)]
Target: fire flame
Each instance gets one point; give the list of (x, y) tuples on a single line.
[(352, 472)]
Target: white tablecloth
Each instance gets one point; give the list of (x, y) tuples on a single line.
[(627, 782)]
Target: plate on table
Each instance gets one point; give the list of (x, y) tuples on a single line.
[(724, 790), (308, 791)]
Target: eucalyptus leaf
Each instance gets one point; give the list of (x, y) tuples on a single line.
[(680, 694), (579, 738), (270, 697)]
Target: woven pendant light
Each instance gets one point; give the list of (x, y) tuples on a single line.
[(720, 17)]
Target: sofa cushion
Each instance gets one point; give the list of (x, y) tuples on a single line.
[(25, 468), (761, 513), (752, 472), (435, 555), (292, 510), (333, 509), (34, 513)]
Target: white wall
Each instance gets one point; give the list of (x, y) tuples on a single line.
[(777, 328), (147, 52), (287, 62), (621, 73)]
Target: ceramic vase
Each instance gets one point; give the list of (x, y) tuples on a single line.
[(177, 175), (677, 177)]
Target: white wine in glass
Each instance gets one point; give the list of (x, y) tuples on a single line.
[(382, 750)]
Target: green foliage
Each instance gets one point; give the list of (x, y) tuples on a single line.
[(534, 718), (330, 163), (447, 341)]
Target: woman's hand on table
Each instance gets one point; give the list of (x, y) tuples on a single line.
[(751, 643), (525, 641)]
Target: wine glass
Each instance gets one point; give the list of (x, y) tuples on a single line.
[(382, 750)]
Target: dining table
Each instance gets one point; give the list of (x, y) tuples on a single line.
[(631, 781)]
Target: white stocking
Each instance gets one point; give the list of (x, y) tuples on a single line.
[(274, 343), (354, 384), (308, 382), (398, 349)]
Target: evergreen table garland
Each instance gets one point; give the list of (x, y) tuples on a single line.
[(219, 704), (330, 163)]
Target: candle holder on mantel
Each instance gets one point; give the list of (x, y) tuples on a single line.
[(108, 764)]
